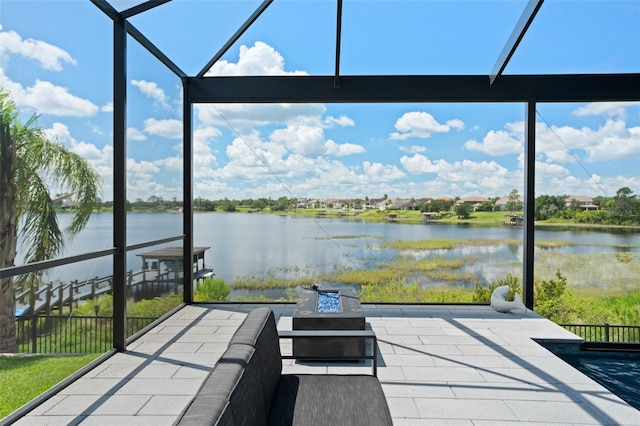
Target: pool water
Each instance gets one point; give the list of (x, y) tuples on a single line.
[(618, 373)]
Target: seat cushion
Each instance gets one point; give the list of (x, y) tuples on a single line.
[(327, 399)]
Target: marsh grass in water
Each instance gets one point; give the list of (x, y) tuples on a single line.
[(348, 237), (401, 292), (601, 271), (263, 283), (375, 276), (446, 244)]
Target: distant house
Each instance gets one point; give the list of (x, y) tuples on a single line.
[(372, 203), (399, 203), (475, 202), (501, 204), (586, 203)]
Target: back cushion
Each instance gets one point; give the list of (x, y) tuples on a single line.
[(259, 331), (207, 411), (247, 395)]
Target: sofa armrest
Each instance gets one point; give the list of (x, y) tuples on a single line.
[(319, 334)]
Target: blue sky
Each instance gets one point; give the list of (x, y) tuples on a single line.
[(56, 61)]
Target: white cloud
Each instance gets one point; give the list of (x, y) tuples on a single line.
[(614, 141), (47, 98), (135, 134), (101, 159), (413, 149), (455, 124), (43, 96), (303, 139), (342, 121), (141, 170), (470, 174), (108, 107), (243, 117), (49, 56), (419, 164), (174, 164), (204, 160), (259, 59), (565, 144), (547, 170), (498, 142), (344, 149), (608, 109), (171, 128), (153, 91), (379, 172), (418, 124)]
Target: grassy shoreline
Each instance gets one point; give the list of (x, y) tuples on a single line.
[(448, 218)]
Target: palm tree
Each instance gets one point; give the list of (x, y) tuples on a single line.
[(28, 163)]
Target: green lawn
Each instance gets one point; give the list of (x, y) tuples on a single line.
[(23, 378)]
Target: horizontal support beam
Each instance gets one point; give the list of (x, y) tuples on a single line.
[(420, 88)]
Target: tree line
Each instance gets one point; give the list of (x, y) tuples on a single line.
[(621, 209)]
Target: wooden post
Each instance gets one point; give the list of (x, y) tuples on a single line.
[(130, 283), (70, 297), (34, 321), (47, 307), (60, 299), (94, 283)]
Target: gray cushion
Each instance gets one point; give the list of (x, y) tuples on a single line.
[(321, 400), (259, 331), (247, 396), (209, 411)]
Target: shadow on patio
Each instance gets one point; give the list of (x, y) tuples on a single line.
[(437, 364)]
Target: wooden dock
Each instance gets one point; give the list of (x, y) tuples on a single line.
[(513, 220), (161, 273)]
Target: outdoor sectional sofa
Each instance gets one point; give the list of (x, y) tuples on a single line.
[(247, 388)]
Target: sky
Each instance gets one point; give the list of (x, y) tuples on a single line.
[(56, 62)]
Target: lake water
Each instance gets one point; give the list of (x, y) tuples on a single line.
[(244, 245)]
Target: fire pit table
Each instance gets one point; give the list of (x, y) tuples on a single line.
[(328, 309)]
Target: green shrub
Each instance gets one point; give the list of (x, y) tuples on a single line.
[(550, 300), (153, 308), (482, 294), (212, 290), (149, 308)]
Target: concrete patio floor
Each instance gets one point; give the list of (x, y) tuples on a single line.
[(438, 364)]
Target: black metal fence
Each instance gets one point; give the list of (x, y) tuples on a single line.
[(94, 334), (606, 332), (71, 334)]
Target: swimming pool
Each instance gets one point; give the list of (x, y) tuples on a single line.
[(618, 372)]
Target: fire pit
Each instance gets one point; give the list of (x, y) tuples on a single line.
[(328, 309)]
